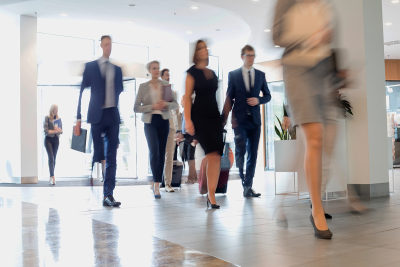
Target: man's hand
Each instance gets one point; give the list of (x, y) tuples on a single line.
[(77, 128), (286, 123), (253, 101)]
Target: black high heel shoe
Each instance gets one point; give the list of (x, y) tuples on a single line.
[(327, 216), (213, 206), (327, 234)]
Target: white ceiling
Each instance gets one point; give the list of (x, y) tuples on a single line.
[(240, 21), (391, 14)]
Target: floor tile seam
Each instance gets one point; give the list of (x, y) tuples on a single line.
[(371, 234)]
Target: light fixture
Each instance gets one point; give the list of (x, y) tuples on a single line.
[(395, 1), (129, 22), (131, 5), (64, 15), (255, 0), (267, 30), (189, 32), (388, 23), (195, 7), (217, 30), (277, 46)]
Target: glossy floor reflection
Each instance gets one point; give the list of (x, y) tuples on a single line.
[(68, 226)]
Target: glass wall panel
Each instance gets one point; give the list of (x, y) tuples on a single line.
[(272, 110), (56, 53)]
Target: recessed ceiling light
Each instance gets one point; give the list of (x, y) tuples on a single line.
[(255, 0), (267, 30), (64, 14), (395, 1), (388, 23), (277, 46), (189, 32), (217, 30), (129, 22), (195, 7), (131, 5)]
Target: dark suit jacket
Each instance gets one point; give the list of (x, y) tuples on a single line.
[(237, 95), (92, 78)]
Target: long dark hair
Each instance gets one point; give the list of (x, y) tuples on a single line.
[(195, 61)]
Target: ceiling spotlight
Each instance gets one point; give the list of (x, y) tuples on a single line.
[(255, 0), (217, 30), (267, 30), (195, 7), (64, 15), (395, 1), (277, 46), (388, 23), (131, 5), (189, 32)]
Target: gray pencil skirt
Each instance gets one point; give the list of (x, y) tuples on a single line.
[(310, 93)]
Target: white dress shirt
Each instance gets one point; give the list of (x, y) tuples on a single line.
[(245, 72), (108, 72)]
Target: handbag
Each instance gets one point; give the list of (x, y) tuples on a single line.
[(79, 142)]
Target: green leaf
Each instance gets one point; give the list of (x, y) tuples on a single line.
[(278, 133)]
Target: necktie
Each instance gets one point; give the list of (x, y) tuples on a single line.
[(250, 81)]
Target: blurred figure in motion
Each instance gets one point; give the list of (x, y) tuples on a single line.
[(174, 127), (156, 114), (105, 81), (243, 95), (189, 149), (52, 130), (202, 119), (305, 29)]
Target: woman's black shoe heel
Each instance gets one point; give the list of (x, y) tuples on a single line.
[(327, 215), (213, 206), (327, 234)]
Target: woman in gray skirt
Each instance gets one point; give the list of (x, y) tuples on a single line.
[(305, 29)]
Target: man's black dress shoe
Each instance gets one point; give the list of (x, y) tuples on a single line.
[(249, 192), (110, 202)]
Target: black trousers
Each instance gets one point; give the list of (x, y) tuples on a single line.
[(157, 136), (51, 144)]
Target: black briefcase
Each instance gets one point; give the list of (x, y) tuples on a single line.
[(79, 142)]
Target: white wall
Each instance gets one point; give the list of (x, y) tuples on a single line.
[(10, 161)]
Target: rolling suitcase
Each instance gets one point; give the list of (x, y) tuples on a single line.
[(224, 173), (176, 176)]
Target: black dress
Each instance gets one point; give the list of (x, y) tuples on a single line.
[(205, 114)]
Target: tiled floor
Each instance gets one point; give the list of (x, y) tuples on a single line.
[(67, 226)]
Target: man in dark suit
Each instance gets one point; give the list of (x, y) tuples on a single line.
[(244, 87), (105, 81)]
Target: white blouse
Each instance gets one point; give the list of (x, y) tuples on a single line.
[(156, 95)]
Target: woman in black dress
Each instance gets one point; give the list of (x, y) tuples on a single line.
[(202, 119)]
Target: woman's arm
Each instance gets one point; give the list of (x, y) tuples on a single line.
[(46, 127), (188, 104), (138, 107)]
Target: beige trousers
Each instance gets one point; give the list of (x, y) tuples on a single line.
[(169, 156)]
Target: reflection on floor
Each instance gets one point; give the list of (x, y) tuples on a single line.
[(67, 226)]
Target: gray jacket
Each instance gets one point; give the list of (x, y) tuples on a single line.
[(49, 125), (144, 103)]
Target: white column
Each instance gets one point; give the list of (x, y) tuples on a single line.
[(28, 99), (10, 160), (361, 33)]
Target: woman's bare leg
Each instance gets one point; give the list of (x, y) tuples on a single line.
[(213, 171), (313, 133)]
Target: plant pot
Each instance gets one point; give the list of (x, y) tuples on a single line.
[(285, 153)]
